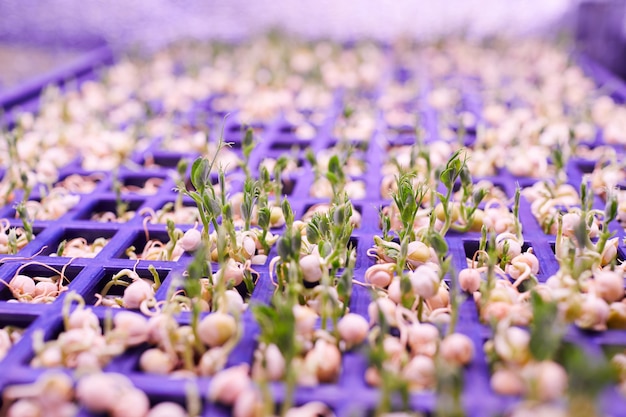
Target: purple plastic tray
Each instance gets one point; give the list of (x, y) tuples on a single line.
[(350, 395), (24, 97)]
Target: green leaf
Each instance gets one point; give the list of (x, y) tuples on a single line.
[(339, 216), (181, 167), (277, 325), (264, 176), (283, 247), (325, 249), (347, 112), (193, 288), (557, 157), (248, 281), (324, 225), (438, 243), (287, 212), (478, 196), (588, 375), (545, 331), (264, 217), (334, 180), (61, 247), (310, 157), (246, 209), (447, 177), (171, 226), (296, 243), (212, 205), (386, 224), (610, 211), (198, 173), (248, 142), (466, 177), (334, 166), (581, 235), (227, 211), (198, 268), (455, 166), (281, 164), (312, 233)]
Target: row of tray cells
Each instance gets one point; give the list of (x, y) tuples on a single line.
[(352, 374), (51, 204), (48, 276)]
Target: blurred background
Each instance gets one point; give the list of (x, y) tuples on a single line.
[(152, 22), (37, 35)]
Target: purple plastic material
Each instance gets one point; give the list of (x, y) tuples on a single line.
[(350, 396), (600, 33), (24, 96)]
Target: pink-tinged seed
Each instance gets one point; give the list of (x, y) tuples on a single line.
[(514, 248), (56, 388), (49, 358), (24, 408), (212, 361), (45, 288), (507, 382), (234, 301), (191, 240), (158, 326), (312, 409), (551, 380), (417, 253), (457, 349), (423, 339), (83, 318), (233, 272), (383, 306), (594, 313), (529, 259), (420, 371), (217, 328), (394, 348), (441, 299), (155, 361), (512, 345), (132, 326), (425, 281), (469, 280), (609, 285), (311, 268), (394, 291), (325, 360), (353, 328), (380, 275), (167, 409), (275, 363), (88, 361), (64, 410), (132, 403), (570, 223), (138, 291), (305, 318), (248, 404), (99, 392), (228, 384), (23, 285), (372, 377), (249, 247)]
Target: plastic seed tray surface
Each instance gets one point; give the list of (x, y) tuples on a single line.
[(78, 66), (350, 395)]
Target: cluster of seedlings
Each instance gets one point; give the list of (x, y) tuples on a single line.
[(507, 149)]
